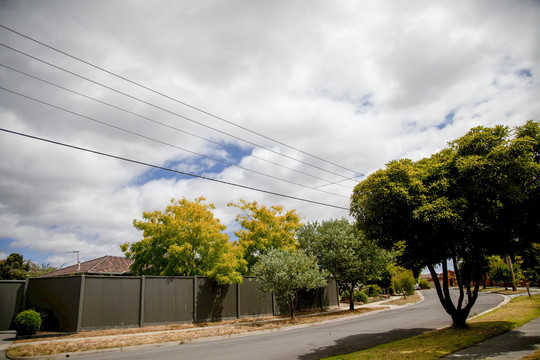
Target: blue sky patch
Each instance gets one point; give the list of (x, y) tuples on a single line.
[(525, 73), (448, 120)]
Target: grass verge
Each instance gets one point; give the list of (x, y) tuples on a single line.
[(437, 344)]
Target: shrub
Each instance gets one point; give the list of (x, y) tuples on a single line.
[(424, 284), (361, 296), (27, 322), (374, 290), (403, 281)]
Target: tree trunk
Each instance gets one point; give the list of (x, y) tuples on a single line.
[(459, 319), (459, 315), (511, 268), (351, 298)]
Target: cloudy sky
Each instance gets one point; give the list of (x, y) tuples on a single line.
[(297, 98)]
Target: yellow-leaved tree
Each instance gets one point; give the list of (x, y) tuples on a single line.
[(185, 240), (264, 229)]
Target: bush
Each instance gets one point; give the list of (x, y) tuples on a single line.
[(27, 322), (403, 282), (424, 284), (361, 296), (374, 290)]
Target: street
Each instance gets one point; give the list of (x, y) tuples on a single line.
[(313, 342)]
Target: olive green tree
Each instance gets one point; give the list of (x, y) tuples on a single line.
[(342, 250), (285, 272), (455, 206)]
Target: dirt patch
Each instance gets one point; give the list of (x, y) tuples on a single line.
[(410, 299)]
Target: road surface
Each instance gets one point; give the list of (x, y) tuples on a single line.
[(313, 342)]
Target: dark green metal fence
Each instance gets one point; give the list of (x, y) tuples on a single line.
[(76, 303)]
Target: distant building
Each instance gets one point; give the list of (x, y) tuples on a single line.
[(105, 265), (451, 279)]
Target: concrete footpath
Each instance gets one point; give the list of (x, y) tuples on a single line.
[(6, 337), (514, 344)]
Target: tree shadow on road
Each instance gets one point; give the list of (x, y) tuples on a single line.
[(359, 342)]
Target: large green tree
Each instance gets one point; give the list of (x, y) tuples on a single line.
[(342, 250), (185, 240), (285, 272), (13, 267), (456, 206), (265, 228)]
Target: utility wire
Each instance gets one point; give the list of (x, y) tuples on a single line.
[(169, 111), (174, 99), (171, 170), (163, 142), (173, 128)]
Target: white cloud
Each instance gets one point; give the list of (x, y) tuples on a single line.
[(358, 84)]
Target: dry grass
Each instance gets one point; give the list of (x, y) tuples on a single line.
[(118, 338), (408, 300), (533, 356)]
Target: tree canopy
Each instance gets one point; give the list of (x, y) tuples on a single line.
[(285, 272), (265, 228), (475, 198), (13, 267), (185, 240), (344, 252)]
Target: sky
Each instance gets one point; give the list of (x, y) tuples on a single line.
[(295, 98)]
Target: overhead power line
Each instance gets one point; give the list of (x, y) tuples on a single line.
[(170, 170), (174, 99), (175, 128), (163, 142), (171, 112)]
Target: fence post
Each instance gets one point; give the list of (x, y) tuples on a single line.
[(25, 294), (337, 292), (238, 301), (274, 304), (141, 313), (195, 289), (81, 303)]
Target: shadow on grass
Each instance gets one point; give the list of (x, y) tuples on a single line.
[(359, 342), (508, 341)]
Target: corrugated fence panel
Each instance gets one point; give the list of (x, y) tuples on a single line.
[(309, 299), (111, 302), (168, 300), (215, 302), (252, 301), (117, 301), (11, 297), (57, 299), (330, 294)]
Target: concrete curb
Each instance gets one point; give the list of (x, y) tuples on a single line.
[(384, 308)]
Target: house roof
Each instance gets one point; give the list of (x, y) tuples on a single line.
[(105, 265)]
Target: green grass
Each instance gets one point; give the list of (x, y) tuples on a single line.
[(437, 344)]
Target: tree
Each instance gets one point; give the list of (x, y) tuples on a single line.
[(456, 206), (531, 265), (344, 252), (265, 228), (185, 240), (403, 281), (13, 267), (285, 272), (35, 269), (498, 270)]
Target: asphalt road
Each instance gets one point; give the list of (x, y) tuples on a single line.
[(313, 342)]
